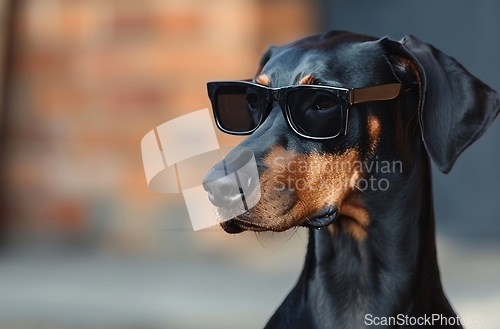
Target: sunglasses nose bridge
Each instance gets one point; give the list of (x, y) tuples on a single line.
[(274, 94)]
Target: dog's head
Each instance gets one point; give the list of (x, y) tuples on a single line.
[(310, 182)]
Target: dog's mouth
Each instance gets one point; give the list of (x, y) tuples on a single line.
[(235, 226), (318, 220), (322, 218)]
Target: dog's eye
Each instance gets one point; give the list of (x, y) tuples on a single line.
[(253, 100), (325, 103)]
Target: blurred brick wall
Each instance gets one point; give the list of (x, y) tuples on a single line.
[(91, 77), (5, 29)]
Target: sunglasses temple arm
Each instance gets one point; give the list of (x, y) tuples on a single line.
[(346, 121), (374, 93)]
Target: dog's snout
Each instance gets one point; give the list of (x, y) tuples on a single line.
[(223, 190), (231, 179)]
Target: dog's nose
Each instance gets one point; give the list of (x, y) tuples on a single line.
[(230, 180), (227, 191)]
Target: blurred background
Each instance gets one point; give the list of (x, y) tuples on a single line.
[(85, 244)]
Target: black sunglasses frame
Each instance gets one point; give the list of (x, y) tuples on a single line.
[(346, 97)]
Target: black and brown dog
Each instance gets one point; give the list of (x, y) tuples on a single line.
[(376, 256)]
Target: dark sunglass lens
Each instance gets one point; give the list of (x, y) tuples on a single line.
[(315, 113), (238, 108), (325, 102), (253, 100)]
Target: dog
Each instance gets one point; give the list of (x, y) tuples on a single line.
[(326, 116)]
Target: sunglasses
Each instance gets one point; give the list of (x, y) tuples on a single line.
[(312, 111)]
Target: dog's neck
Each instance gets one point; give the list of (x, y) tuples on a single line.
[(392, 271)]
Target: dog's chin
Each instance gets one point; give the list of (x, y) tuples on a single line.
[(318, 220)]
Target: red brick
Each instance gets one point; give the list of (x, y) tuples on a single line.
[(134, 98), (63, 216), (184, 23), (41, 63), (58, 100)]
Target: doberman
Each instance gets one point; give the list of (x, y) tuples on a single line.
[(343, 127)]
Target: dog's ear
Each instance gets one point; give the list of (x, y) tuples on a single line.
[(455, 109), (270, 52)]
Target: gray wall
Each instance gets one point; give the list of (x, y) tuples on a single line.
[(467, 201)]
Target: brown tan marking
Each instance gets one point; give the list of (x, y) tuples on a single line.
[(353, 218), (374, 130), (307, 80), (318, 180), (263, 79)]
